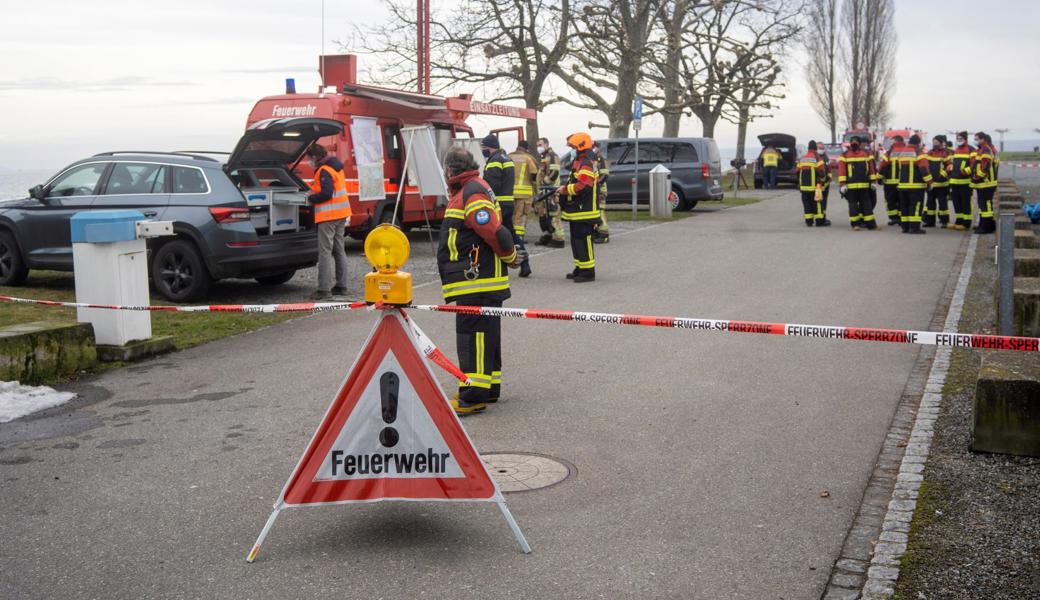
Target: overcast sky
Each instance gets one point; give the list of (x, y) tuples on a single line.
[(80, 77)]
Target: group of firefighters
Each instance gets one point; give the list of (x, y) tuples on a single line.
[(482, 235), (919, 185)]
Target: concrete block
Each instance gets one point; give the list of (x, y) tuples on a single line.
[(1027, 262), (1007, 405), (136, 350), (1026, 239), (43, 351), (1027, 306)]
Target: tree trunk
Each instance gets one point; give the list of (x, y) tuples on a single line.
[(532, 125), (742, 131), (673, 86)]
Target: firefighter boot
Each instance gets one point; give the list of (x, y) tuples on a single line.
[(465, 408), (525, 268), (585, 276)]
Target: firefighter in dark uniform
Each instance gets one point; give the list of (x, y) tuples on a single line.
[(811, 173), (856, 177), (890, 178), (602, 235), (473, 255), (960, 183), (821, 207), (500, 174), (984, 181), (937, 207), (914, 180), (580, 207)]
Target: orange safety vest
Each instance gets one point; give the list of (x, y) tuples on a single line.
[(338, 206)]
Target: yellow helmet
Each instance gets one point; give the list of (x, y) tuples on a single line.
[(580, 141)]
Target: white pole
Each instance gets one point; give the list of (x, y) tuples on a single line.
[(519, 535), (263, 534), (404, 174)]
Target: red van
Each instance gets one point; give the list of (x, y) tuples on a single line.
[(392, 111)]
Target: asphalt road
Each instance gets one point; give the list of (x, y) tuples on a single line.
[(700, 457)]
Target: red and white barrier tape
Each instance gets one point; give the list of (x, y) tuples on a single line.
[(862, 334), (305, 307), (433, 353)]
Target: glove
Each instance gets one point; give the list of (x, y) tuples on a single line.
[(521, 257), (842, 190), (346, 222)]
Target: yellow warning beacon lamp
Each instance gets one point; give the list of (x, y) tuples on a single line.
[(387, 249)]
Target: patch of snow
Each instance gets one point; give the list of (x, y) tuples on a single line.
[(17, 400)]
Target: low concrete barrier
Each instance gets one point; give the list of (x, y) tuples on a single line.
[(1027, 262), (1026, 239), (1007, 405), (1027, 306), (43, 351)]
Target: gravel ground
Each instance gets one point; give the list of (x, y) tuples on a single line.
[(976, 532)]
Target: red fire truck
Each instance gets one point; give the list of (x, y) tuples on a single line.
[(392, 110)]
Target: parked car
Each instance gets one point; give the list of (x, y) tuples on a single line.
[(833, 151), (789, 151), (218, 234), (694, 162)]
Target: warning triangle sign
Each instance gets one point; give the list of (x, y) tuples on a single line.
[(389, 434)]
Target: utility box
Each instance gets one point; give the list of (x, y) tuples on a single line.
[(660, 189), (111, 267)]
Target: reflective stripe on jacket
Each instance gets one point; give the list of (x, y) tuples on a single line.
[(960, 166), (581, 202), (500, 175), (939, 167), (811, 171), (856, 170), (338, 206), (525, 169), (472, 235)]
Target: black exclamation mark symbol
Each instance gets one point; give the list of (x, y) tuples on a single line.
[(388, 386)]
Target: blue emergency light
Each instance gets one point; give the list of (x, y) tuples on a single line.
[(290, 85)]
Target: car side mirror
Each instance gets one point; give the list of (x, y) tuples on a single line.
[(37, 192)]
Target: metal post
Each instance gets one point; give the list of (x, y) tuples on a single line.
[(635, 177), (519, 535), (263, 534), (1006, 272)]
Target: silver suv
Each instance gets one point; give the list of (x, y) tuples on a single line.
[(219, 234)]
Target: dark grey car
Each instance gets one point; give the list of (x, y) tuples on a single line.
[(694, 162), (217, 234)]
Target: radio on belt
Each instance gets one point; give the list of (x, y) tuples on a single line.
[(387, 249)]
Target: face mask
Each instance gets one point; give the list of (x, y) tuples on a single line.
[(541, 148), (961, 141), (486, 152), (854, 145), (978, 142)]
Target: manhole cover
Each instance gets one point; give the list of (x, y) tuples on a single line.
[(516, 472)]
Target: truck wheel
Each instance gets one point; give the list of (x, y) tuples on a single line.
[(387, 216), (678, 200), (277, 279), (178, 272), (13, 270)]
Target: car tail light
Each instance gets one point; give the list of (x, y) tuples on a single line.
[(705, 172), (229, 214)]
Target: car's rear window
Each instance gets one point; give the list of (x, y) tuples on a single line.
[(188, 180), (713, 151), (684, 153)]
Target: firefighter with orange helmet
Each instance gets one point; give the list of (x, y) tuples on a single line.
[(580, 207)]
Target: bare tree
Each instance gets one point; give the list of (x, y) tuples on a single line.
[(821, 46), (605, 68), (757, 96), (729, 48), (868, 60), (509, 48)]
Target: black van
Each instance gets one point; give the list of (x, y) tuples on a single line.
[(694, 162)]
